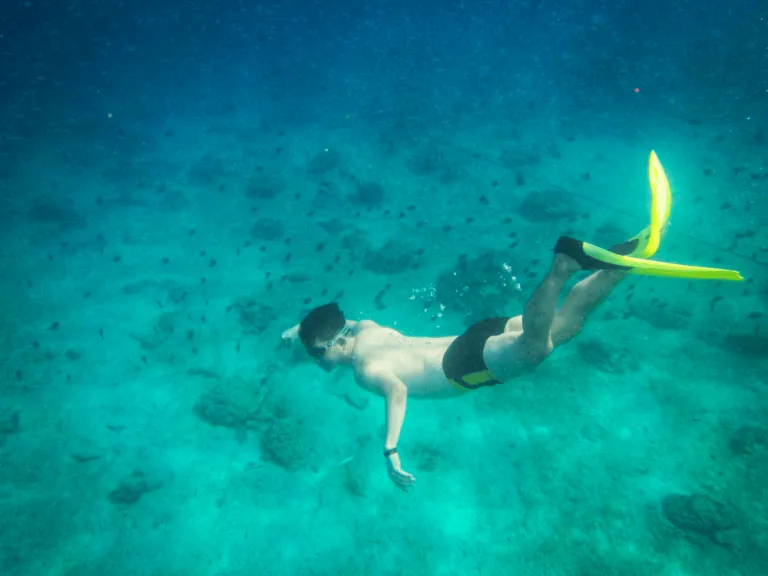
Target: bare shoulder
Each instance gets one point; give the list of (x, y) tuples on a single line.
[(376, 377), (367, 376), (361, 325)]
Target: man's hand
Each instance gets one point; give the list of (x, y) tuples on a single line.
[(400, 477), (290, 336)]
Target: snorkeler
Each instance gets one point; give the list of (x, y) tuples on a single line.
[(494, 350)]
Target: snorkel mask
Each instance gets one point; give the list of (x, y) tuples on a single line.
[(318, 352)]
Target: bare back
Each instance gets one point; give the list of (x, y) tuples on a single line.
[(417, 362)]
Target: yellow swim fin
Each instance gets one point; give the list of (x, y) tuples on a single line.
[(646, 243), (632, 255), (592, 257)]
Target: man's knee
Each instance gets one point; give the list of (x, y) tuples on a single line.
[(565, 328), (534, 353)]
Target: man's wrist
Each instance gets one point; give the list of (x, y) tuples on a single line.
[(389, 451)]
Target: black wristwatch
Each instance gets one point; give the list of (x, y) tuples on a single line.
[(388, 453)]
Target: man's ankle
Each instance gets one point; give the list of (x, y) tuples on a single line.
[(564, 266)]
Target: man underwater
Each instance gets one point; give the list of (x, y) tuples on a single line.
[(494, 350)]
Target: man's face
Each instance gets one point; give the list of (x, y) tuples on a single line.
[(328, 353)]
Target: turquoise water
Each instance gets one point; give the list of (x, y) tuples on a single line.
[(182, 182)]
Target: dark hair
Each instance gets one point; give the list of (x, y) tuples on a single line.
[(322, 323)]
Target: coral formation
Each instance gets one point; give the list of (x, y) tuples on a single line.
[(547, 206), (286, 444), (698, 514), (607, 357), (235, 403)]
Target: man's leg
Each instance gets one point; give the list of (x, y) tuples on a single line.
[(581, 301), (540, 310), (516, 350)]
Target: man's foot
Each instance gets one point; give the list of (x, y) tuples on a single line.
[(564, 265), (575, 250)]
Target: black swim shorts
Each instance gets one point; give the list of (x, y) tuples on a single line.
[(463, 362)]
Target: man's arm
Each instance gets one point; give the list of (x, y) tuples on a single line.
[(395, 399), (291, 335)]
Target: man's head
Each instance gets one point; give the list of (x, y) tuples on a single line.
[(322, 334)]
